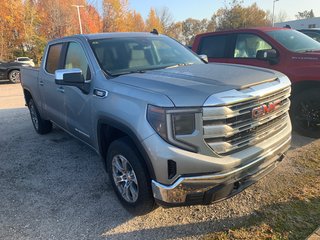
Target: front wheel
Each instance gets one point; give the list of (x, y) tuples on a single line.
[(40, 125), (14, 76), (305, 113), (129, 177)]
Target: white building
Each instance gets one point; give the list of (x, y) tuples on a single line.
[(301, 24)]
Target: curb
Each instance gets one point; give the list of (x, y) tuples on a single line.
[(315, 235)]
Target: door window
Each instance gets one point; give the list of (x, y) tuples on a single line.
[(247, 46), (53, 58), (214, 46), (314, 35), (76, 58)]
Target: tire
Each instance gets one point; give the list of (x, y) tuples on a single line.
[(305, 113), (14, 76), (40, 125), (129, 177)]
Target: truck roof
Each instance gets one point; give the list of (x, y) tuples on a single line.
[(118, 35), (253, 29), (106, 35)]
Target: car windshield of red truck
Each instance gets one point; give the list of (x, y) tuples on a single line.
[(118, 56), (295, 41)]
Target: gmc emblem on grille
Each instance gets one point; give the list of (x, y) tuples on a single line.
[(265, 109)]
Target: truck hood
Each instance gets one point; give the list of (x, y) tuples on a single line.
[(192, 85)]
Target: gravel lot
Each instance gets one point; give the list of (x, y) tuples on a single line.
[(54, 187)]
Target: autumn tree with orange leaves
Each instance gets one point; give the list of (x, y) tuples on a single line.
[(11, 34), (153, 22), (27, 25), (116, 16)]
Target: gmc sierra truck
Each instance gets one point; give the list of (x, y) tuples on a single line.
[(171, 129)]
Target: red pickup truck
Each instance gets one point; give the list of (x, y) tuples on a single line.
[(281, 49)]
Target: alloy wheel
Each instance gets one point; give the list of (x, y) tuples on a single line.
[(125, 178)]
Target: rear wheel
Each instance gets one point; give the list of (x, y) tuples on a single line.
[(14, 76), (305, 113), (40, 125), (129, 177)]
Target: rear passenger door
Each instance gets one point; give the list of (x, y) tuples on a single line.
[(218, 48), (52, 95)]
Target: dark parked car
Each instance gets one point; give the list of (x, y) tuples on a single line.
[(312, 32), (10, 71)]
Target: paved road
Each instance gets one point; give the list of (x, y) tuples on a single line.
[(11, 95), (54, 187)]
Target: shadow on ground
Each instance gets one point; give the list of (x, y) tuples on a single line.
[(55, 187)]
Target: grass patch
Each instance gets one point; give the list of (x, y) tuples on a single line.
[(293, 202)]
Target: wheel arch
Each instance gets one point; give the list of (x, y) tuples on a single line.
[(27, 96), (302, 85), (12, 69), (109, 129)]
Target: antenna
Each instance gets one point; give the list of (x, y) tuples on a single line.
[(155, 31)]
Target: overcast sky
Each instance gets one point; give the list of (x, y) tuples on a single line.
[(198, 9)]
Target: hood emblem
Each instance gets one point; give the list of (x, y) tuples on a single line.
[(264, 109)]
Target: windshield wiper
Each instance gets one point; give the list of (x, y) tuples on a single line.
[(179, 65), (150, 69), (128, 72)]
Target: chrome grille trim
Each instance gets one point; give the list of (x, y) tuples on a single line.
[(234, 110), (231, 127)]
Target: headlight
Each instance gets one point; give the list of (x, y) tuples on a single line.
[(157, 118), (170, 123), (183, 123)]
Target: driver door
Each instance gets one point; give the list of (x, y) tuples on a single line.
[(78, 103)]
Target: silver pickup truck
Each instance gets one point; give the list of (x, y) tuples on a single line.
[(171, 129)]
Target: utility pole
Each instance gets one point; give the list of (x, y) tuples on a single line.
[(78, 9), (274, 3)]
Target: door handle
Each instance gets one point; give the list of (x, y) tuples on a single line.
[(60, 89), (41, 83)]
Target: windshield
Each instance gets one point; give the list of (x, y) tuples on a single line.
[(295, 41), (124, 55)]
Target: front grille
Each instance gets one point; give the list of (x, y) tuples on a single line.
[(230, 128)]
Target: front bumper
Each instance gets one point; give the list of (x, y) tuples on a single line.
[(205, 189)]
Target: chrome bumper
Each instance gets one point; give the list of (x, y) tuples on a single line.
[(205, 189)]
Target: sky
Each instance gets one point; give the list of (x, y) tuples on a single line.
[(199, 9)]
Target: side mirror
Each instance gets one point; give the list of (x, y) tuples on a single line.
[(69, 76), (204, 58), (72, 77), (269, 55)]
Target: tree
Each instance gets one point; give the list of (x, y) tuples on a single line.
[(234, 16), (192, 27), (137, 22), (165, 18), (153, 22), (175, 31), (11, 34), (282, 16), (58, 18), (116, 16), (33, 42), (305, 14), (91, 21)]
